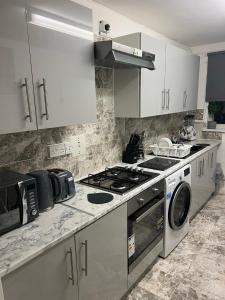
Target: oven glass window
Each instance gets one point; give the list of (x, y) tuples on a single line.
[(143, 229), (9, 209)]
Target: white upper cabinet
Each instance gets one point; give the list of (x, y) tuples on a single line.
[(47, 74), (152, 94), (175, 78), (192, 82), (17, 112), (140, 92), (61, 46), (172, 87)]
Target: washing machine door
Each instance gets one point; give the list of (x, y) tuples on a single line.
[(180, 204)]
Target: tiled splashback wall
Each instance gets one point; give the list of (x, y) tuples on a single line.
[(105, 139)]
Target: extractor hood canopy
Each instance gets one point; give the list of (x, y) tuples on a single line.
[(112, 54)]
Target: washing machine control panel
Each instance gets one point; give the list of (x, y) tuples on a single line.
[(187, 171)]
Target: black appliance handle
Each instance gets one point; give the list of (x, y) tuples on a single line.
[(55, 178), (148, 211)]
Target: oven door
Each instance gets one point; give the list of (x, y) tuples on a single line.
[(145, 230), (10, 208)]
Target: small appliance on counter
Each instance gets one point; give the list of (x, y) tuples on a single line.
[(63, 184), (44, 189), (134, 149), (188, 132), (18, 200)]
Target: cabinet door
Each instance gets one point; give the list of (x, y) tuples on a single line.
[(153, 82), (102, 257), (192, 82), (50, 276), (212, 158), (205, 177), (17, 111), (199, 194), (61, 46), (175, 78)]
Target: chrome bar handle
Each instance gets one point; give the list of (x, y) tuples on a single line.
[(85, 269), (168, 99), (43, 84), (163, 98), (71, 277), (25, 84), (150, 210), (200, 169), (212, 158), (186, 99), (203, 166)]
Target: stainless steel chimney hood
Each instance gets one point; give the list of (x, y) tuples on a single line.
[(112, 54)]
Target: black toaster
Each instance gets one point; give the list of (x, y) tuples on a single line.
[(63, 184)]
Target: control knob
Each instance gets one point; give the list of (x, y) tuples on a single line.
[(33, 212), (141, 201), (155, 190)]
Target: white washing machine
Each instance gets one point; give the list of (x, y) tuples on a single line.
[(177, 208)]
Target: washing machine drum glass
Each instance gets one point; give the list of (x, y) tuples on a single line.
[(180, 204)]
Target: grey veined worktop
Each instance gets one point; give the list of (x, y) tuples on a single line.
[(23, 244)]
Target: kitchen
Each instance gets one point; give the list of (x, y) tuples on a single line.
[(79, 249)]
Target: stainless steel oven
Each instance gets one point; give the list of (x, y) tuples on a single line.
[(145, 223)]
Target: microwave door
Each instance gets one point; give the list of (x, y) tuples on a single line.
[(9, 209)]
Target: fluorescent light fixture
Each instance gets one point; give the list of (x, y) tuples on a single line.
[(59, 26)]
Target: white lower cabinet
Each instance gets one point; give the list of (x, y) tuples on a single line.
[(50, 276), (202, 180), (102, 257), (90, 265)]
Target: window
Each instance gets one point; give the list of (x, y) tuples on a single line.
[(215, 88), (216, 110)]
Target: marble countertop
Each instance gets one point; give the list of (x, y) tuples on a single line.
[(23, 244)]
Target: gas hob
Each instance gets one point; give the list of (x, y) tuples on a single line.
[(118, 179)]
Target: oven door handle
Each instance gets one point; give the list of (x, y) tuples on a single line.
[(147, 212)]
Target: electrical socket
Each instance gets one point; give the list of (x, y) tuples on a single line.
[(75, 145), (69, 148), (56, 150)]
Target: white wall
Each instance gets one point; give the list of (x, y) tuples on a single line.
[(120, 25)]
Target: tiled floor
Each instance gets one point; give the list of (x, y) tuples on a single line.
[(196, 268)]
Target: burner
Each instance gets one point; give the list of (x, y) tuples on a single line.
[(113, 172), (97, 178), (134, 177), (119, 186)]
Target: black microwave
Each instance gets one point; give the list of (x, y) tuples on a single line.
[(18, 200)]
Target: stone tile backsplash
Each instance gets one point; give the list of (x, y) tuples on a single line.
[(104, 140)]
